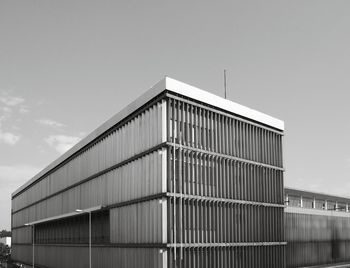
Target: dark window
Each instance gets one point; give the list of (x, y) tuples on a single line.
[(341, 207), (294, 201), (320, 204), (308, 202), (330, 205), (75, 230)]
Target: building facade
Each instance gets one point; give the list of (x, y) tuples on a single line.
[(179, 178), (317, 229)]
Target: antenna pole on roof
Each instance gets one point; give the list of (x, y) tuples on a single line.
[(225, 84)]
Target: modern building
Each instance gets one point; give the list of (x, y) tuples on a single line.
[(178, 178), (317, 229), (6, 241)]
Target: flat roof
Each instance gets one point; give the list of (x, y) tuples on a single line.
[(306, 193), (318, 212), (171, 85)]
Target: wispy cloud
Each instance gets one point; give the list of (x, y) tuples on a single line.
[(10, 104), (8, 100), (8, 138), (62, 143), (23, 109), (50, 123), (6, 109)]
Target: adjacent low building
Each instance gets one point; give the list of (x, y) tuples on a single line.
[(179, 178), (317, 228)]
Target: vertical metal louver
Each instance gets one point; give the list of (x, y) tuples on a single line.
[(225, 182), (185, 185)]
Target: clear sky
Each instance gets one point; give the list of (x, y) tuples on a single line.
[(67, 66)]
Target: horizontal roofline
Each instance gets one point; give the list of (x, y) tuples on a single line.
[(219, 102), (317, 212), (171, 85), (329, 197)]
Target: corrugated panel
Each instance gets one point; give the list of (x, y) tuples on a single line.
[(23, 253), (205, 221), (225, 178), (22, 235), (300, 254), (138, 223), (316, 239), (75, 230), (204, 174), (78, 257), (136, 136), (139, 178), (205, 129), (224, 174), (226, 257)]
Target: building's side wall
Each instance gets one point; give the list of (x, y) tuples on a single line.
[(138, 178), (135, 136), (225, 178), (138, 223), (184, 184), (77, 256), (316, 237), (122, 170)]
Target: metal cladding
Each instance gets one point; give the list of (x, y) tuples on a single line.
[(226, 186), (317, 229), (185, 180)]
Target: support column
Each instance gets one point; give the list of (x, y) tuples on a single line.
[(301, 201)]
